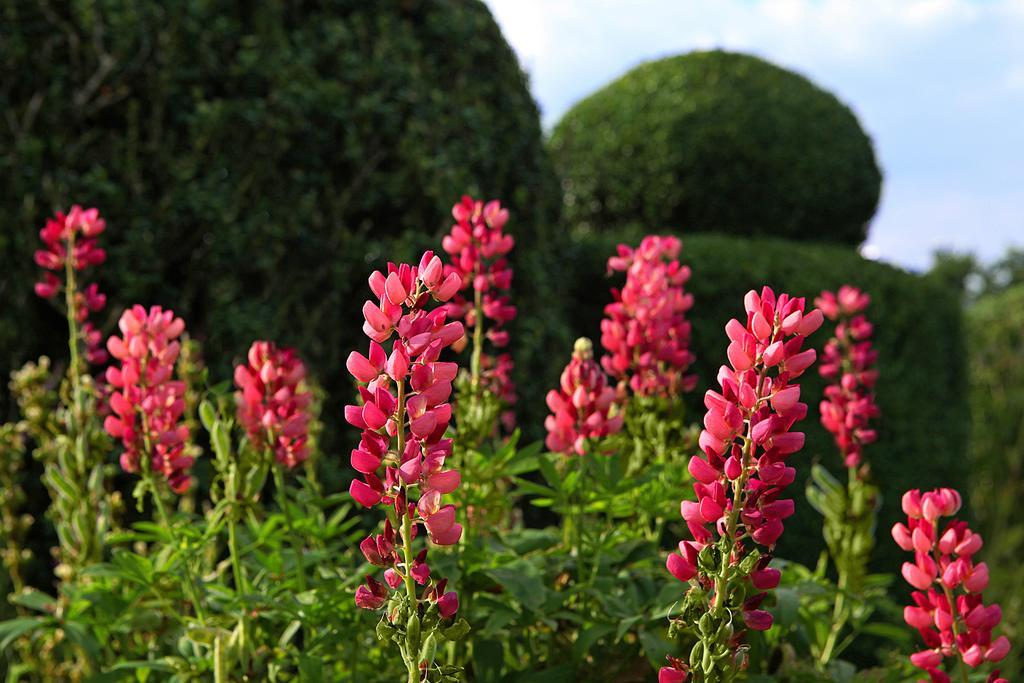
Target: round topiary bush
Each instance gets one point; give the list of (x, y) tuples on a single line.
[(251, 159), (718, 141)]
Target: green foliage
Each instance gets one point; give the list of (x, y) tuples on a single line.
[(804, 612), (996, 331), (922, 389), (850, 514), (718, 141), (586, 601), (236, 148)]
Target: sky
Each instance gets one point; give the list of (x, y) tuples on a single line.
[(937, 84)]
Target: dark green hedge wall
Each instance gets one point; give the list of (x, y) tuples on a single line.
[(922, 391), (718, 141), (253, 159), (995, 326)]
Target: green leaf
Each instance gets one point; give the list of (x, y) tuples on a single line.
[(12, 629), (207, 415), (81, 636), (589, 638), (310, 669), (547, 468), (220, 439), (522, 581), (35, 600)]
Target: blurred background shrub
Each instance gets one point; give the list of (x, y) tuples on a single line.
[(718, 141), (253, 160), (995, 326)]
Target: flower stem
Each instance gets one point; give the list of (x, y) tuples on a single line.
[(282, 492), (80, 476), (146, 463), (413, 659), (190, 580), (952, 603), (478, 341), (839, 613), (738, 487)]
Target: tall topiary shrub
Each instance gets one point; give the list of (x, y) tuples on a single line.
[(238, 148), (718, 141)]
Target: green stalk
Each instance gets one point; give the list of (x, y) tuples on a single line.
[(478, 342), (413, 658), (158, 502), (241, 584), (949, 598), (236, 562), (738, 487), (80, 474), (300, 574), (839, 612), (190, 579)]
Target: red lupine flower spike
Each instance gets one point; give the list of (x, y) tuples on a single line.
[(273, 406), (146, 402), (584, 406), (70, 239), (404, 414), (478, 249), (848, 360), (948, 610), (742, 471), (645, 331)]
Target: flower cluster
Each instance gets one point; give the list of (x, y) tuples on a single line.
[(273, 407), (478, 248), (403, 417), (646, 333), (848, 359), (948, 610), (584, 406), (741, 475), (146, 402), (71, 244)]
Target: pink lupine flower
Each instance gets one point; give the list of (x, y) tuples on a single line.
[(146, 402), (70, 240), (404, 414), (676, 672), (479, 248), (584, 406), (848, 358), (273, 407), (645, 331), (743, 471), (948, 610)]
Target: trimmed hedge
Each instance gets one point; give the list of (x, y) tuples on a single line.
[(922, 391), (253, 160), (995, 326), (719, 142)]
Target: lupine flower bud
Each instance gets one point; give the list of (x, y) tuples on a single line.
[(404, 414), (146, 402), (742, 471), (645, 331), (479, 248), (584, 406), (948, 611), (272, 406)]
